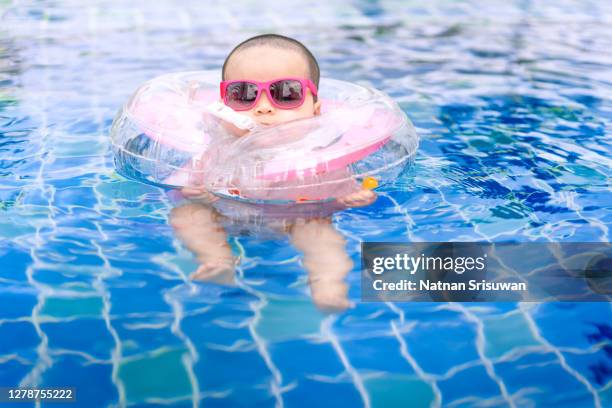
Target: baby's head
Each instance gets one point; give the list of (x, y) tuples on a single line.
[(266, 58)]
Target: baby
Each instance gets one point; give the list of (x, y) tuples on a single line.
[(283, 78)]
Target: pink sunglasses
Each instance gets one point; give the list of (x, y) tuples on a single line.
[(283, 93)]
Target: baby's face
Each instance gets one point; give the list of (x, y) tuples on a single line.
[(265, 64)]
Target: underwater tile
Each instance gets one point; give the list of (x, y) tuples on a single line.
[(17, 301), (377, 353), (430, 312), (159, 374), (368, 319), (64, 277), (12, 371), (76, 195), (93, 381), (312, 393), (93, 336), (589, 323), (596, 367), (138, 294), (239, 397), (300, 358), (18, 338), (11, 229), (471, 382), (90, 306), (183, 403), (536, 371), (78, 252), (220, 370), (202, 329), (14, 260), (145, 334), (456, 346), (505, 332), (277, 320), (396, 390), (606, 397)]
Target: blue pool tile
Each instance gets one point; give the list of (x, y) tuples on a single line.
[(219, 370), (300, 358), (14, 262), (312, 393), (240, 398), (175, 404), (93, 336), (21, 299), (596, 367), (142, 334), (473, 381), (587, 319), (378, 353), (138, 293), (534, 371), (12, 371), (76, 249), (393, 390), (202, 330), (61, 277), (18, 338), (277, 320), (424, 338), (156, 375), (93, 381)]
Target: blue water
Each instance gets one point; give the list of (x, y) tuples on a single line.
[(513, 102)]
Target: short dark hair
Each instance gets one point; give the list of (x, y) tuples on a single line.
[(278, 41)]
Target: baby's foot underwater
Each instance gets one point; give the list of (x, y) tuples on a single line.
[(221, 272)]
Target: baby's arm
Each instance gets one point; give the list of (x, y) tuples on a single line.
[(326, 262)]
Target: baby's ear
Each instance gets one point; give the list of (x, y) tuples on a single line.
[(317, 108)]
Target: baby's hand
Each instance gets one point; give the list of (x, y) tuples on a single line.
[(200, 194), (359, 198)]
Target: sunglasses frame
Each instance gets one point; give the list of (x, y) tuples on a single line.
[(265, 86)]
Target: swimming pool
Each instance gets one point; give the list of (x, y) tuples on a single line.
[(512, 102)]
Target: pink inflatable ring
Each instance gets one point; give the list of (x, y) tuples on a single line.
[(174, 132)]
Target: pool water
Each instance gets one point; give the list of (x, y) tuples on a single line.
[(513, 103)]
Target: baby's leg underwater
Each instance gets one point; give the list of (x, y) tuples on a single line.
[(325, 260), (197, 226)]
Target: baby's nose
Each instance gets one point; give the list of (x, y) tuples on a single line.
[(264, 106)]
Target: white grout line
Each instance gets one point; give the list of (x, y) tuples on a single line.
[(524, 309), (277, 379), (328, 334), (428, 378), (44, 360), (190, 360), (480, 347)]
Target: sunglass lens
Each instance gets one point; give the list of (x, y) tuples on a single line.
[(287, 93), (241, 95)]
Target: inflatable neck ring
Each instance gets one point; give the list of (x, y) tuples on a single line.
[(171, 134)]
